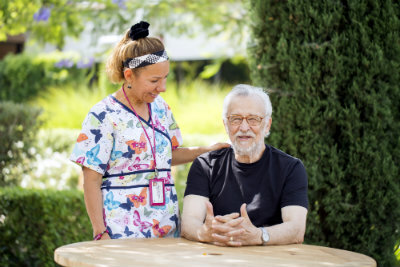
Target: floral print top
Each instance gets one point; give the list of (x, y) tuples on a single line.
[(113, 143)]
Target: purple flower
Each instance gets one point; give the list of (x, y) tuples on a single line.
[(120, 3), (82, 65), (64, 63), (43, 14)]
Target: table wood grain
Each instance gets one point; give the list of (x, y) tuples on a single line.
[(179, 252)]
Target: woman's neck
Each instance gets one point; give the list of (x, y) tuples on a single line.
[(140, 107)]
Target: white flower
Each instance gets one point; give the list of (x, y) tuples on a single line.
[(19, 144)]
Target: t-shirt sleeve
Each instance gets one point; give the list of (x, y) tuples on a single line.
[(296, 187), (198, 182), (174, 131), (95, 142)]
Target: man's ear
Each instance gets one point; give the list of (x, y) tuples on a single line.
[(226, 126), (268, 126)]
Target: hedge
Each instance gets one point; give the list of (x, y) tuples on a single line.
[(18, 128), (23, 77), (332, 69), (33, 223)]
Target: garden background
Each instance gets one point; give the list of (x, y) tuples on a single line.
[(330, 67)]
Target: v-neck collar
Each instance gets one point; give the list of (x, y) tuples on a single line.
[(131, 111)]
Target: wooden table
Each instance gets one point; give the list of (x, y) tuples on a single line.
[(176, 252)]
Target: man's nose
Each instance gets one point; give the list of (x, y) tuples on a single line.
[(244, 126)]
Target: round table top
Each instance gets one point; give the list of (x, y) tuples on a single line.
[(181, 252)]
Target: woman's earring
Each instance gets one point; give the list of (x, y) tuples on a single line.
[(129, 86)]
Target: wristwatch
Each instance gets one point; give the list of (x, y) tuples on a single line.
[(264, 236)]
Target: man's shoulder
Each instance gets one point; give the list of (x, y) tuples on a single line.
[(282, 156), (215, 155)]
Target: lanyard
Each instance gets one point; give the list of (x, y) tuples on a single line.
[(148, 138)]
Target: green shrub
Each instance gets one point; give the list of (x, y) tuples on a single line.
[(50, 166), (21, 78), (333, 70), (224, 70), (33, 223), (58, 139), (18, 128), (24, 76)]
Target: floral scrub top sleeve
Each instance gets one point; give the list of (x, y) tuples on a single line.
[(95, 142), (113, 143)]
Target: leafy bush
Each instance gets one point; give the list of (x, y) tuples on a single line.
[(333, 71), (24, 76), (21, 77), (33, 223), (225, 70), (18, 128), (58, 139), (50, 166)]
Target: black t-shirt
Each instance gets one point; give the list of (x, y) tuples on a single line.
[(273, 182)]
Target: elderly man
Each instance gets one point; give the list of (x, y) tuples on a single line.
[(253, 194)]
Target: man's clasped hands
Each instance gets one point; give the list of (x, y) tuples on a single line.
[(229, 230)]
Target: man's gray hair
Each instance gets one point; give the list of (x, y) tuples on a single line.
[(247, 90)]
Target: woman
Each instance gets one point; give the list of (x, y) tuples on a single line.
[(128, 143)]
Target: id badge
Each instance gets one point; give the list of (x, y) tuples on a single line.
[(157, 192)]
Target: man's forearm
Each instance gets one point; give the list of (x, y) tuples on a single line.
[(193, 229), (286, 233)]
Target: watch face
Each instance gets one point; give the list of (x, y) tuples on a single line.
[(265, 235)]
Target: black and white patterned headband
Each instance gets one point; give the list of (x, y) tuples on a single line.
[(146, 60)]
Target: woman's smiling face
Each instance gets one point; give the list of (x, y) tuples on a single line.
[(148, 82)]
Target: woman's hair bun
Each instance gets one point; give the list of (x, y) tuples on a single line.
[(139, 30)]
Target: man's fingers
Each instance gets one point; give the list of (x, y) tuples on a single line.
[(236, 234), (243, 211), (227, 227), (210, 212), (235, 243), (230, 244), (227, 217), (222, 240), (236, 222)]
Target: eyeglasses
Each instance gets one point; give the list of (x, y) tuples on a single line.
[(252, 120)]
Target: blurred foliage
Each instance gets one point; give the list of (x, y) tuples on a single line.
[(67, 106), (65, 19), (18, 128), (49, 165), (221, 70), (197, 105), (333, 72), (33, 223), (58, 139), (21, 77), (50, 21), (24, 76)]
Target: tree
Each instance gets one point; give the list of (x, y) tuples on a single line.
[(332, 69), (50, 21)]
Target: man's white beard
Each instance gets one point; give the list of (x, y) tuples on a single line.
[(254, 149)]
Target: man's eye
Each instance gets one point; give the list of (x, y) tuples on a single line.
[(238, 119)]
